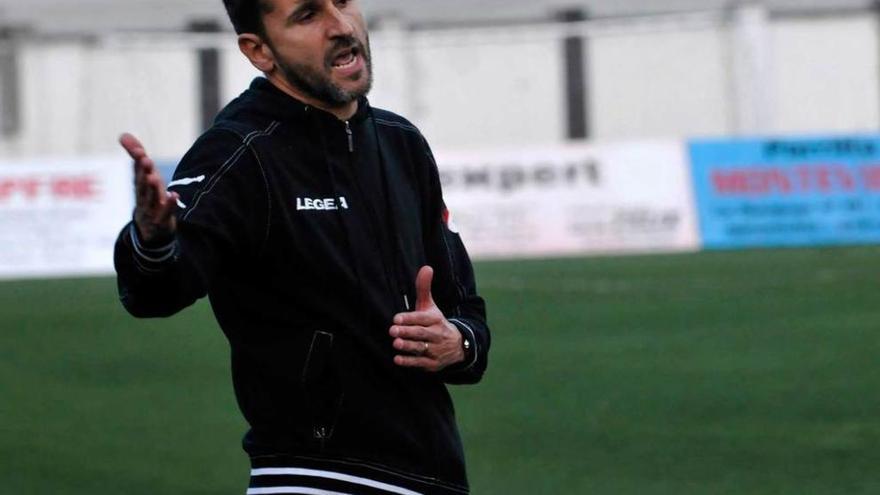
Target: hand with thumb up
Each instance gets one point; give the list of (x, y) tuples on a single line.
[(424, 338)]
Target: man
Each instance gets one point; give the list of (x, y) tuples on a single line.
[(316, 226)]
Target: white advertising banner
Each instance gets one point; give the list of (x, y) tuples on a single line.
[(572, 200), (61, 217)]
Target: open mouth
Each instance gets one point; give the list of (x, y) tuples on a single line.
[(346, 59)]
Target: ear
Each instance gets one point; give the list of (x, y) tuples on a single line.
[(257, 51)]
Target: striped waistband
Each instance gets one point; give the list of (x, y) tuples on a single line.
[(285, 475)]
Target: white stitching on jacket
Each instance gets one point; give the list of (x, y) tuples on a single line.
[(229, 163)]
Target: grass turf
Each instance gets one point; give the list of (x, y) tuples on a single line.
[(716, 373)]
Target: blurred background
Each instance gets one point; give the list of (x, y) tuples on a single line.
[(729, 150), (523, 72)]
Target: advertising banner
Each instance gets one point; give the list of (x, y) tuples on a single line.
[(562, 201), (61, 217), (166, 169), (787, 192)]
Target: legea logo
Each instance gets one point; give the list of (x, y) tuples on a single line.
[(325, 204)]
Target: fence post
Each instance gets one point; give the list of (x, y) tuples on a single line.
[(576, 52), (10, 111), (209, 75), (752, 80)]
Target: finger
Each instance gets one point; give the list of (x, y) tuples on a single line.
[(133, 146), (143, 169), (155, 181), (413, 333), (156, 194), (168, 208), (152, 201), (414, 347), (145, 165), (174, 198), (417, 362), (146, 192), (420, 318), (141, 188), (424, 300)]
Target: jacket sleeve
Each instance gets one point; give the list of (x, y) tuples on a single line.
[(454, 284), (222, 219)]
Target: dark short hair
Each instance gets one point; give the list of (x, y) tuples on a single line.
[(247, 15)]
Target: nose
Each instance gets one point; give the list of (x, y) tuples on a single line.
[(340, 24)]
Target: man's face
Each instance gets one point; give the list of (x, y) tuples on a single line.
[(321, 48)]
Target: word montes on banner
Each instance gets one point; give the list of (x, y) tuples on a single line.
[(798, 179)]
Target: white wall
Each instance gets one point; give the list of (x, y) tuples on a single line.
[(76, 99), (826, 74), (472, 88), (236, 72), (111, 15), (470, 92), (659, 84)]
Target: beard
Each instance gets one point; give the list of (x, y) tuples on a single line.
[(317, 83)]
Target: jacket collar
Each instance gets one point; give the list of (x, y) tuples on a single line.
[(283, 107)]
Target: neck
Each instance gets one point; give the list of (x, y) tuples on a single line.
[(343, 112)]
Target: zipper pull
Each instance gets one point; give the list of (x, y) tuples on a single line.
[(350, 137), (406, 302)]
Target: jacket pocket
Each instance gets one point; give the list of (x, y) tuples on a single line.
[(322, 386)]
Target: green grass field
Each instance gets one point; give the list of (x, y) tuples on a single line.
[(753, 372)]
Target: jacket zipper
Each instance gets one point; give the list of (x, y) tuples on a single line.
[(350, 137)]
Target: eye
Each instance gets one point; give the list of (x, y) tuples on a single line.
[(342, 3), (305, 15)]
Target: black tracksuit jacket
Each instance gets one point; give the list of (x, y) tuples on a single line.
[(306, 233)]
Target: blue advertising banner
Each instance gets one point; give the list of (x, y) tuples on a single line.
[(787, 192), (166, 168)]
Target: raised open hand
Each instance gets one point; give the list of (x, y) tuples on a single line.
[(154, 206)]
